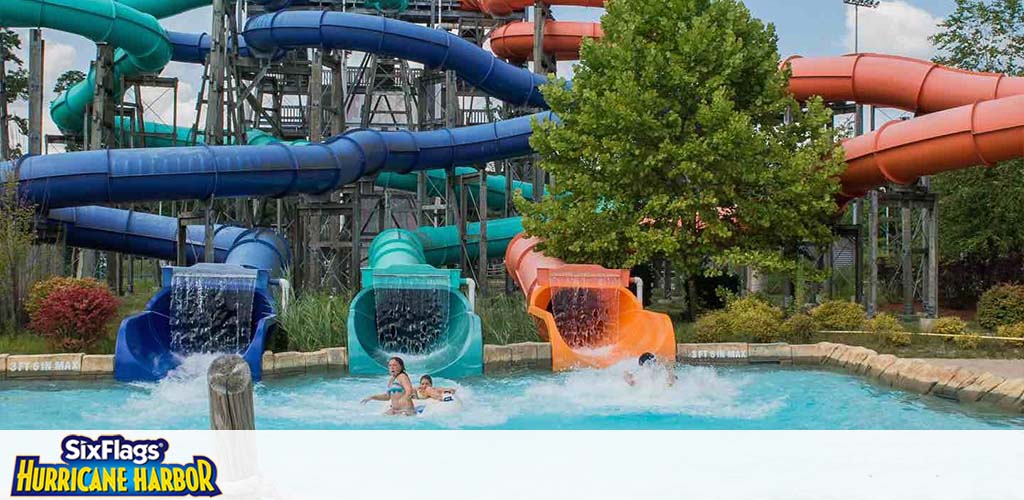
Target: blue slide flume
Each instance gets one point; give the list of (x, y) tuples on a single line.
[(273, 170)]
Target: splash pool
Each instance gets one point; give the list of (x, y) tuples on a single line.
[(749, 397)]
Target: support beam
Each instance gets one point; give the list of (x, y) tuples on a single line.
[(216, 67), (907, 260), (931, 292), (36, 54), (5, 134), (316, 92), (872, 295)]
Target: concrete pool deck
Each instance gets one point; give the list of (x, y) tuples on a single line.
[(1006, 368)]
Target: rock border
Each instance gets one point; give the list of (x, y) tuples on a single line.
[(953, 383)]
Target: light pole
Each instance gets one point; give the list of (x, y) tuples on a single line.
[(857, 4)]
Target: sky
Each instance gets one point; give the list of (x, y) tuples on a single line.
[(804, 27)]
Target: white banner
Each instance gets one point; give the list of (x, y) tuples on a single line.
[(556, 465)]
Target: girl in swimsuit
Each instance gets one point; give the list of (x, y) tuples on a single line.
[(427, 390), (400, 391)]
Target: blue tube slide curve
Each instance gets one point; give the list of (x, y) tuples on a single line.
[(201, 172)]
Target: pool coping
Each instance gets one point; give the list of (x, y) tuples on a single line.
[(949, 382)]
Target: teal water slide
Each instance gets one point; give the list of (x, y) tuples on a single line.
[(410, 308)]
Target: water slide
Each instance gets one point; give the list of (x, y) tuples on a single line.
[(278, 170), (410, 307)]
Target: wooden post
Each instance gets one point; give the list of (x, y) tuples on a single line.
[(231, 400)]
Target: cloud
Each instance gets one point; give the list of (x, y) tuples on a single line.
[(895, 27)]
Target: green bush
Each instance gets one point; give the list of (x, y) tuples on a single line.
[(1015, 330), (755, 318), (799, 327), (950, 325), (743, 318), (889, 328), (712, 327), (1001, 305), (316, 320), (968, 341), (839, 315)]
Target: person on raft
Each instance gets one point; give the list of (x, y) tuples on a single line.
[(426, 390), (400, 391), (649, 361)]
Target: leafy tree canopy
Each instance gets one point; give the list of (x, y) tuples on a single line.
[(981, 210), (68, 80), (673, 144)]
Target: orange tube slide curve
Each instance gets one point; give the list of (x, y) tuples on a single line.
[(635, 332), (501, 8), (514, 41)]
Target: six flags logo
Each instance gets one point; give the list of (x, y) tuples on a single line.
[(113, 466)]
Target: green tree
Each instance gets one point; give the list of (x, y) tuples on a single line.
[(68, 80), (15, 83), (673, 144), (981, 210)]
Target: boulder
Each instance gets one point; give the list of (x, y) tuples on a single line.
[(854, 356), (834, 357), (950, 386), (316, 360), (337, 357), (809, 354), (267, 363), (1007, 395), (770, 353), (98, 365), (918, 377), (889, 375), (982, 385), (3, 366), (873, 366), (291, 361)]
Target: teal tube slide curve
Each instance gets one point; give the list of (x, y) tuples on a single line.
[(400, 261)]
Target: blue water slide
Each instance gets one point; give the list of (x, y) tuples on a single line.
[(388, 37), (276, 170), (201, 172)]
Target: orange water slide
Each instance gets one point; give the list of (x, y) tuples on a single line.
[(617, 326), (502, 8), (966, 118), (896, 82), (514, 41), (983, 133)]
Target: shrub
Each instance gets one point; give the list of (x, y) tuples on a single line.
[(73, 317), (950, 325), (1001, 305), (315, 321), (712, 327), (889, 329), (799, 327), (839, 315), (1015, 330), (42, 289), (967, 341), (747, 317)]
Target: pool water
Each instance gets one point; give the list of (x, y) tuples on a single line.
[(748, 397)]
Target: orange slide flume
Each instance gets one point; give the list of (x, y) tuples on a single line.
[(514, 41), (966, 118), (586, 312), (503, 8)]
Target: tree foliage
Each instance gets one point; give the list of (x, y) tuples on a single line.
[(67, 80), (672, 144), (981, 210)]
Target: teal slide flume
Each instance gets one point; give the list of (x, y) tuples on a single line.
[(412, 309)]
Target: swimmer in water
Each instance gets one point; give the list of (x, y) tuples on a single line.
[(426, 390), (648, 361), (400, 391)]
